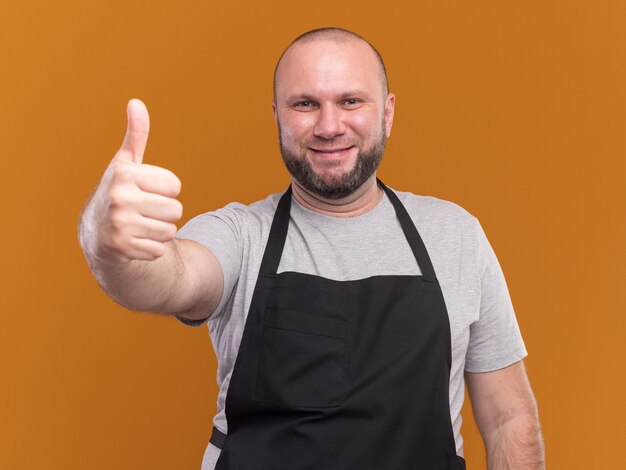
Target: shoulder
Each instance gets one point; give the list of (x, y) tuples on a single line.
[(234, 223), (261, 208), (450, 232), (240, 214), (430, 210)]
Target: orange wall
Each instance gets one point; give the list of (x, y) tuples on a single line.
[(514, 110)]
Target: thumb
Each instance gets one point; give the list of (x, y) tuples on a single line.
[(136, 136)]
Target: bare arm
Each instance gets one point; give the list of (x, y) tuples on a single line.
[(505, 411), (127, 235), (187, 280)]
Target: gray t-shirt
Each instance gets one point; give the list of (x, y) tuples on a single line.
[(484, 331)]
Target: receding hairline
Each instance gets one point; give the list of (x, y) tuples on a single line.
[(337, 35)]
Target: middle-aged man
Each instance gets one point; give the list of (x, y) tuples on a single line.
[(345, 315)]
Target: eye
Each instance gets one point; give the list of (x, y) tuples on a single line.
[(304, 105), (352, 102)]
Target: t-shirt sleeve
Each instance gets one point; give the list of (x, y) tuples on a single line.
[(495, 338), (220, 232)]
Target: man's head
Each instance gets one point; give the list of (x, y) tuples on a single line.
[(333, 111)]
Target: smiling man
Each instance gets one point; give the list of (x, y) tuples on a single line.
[(346, 316), (333, 113)]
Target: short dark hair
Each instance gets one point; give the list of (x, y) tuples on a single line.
[(337, 35)]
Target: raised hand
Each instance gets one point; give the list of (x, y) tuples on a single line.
[(133, 212)]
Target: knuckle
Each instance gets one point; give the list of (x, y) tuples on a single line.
[(158, 250), (117, 242), (118, 198), (122, 171), (117, 222), (114, 245)]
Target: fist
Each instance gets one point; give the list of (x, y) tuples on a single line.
[(133, 212)]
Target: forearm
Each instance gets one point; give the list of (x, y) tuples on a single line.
[(516, 444), (506, 413), (153, 286)]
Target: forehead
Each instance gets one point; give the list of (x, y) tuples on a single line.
[(326, 67)]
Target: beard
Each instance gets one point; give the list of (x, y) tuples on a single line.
[(335, 187)]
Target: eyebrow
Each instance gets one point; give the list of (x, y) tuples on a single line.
[(342, 96), (302, 97)]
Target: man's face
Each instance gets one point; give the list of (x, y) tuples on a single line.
[(333, 115)]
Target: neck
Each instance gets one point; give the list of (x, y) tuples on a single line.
[(361, 201)]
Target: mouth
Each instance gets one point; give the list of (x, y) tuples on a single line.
[(332, 152)]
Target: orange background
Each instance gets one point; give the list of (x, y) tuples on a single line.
[(514, 110)]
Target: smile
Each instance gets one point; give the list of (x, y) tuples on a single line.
[(339, 152)]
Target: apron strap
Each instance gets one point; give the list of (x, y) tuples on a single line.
[(411, 234), (277, 237), (218, 438), (280, 224)]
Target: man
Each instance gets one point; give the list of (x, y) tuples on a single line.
[(344, 314)]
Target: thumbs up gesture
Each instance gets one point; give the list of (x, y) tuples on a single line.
[(132, 214)]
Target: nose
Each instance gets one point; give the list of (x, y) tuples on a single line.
[(329, 123)]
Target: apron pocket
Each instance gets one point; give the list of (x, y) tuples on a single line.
[(301, 360)]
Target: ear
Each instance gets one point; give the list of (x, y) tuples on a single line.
[(390, 104), (275, 112)]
